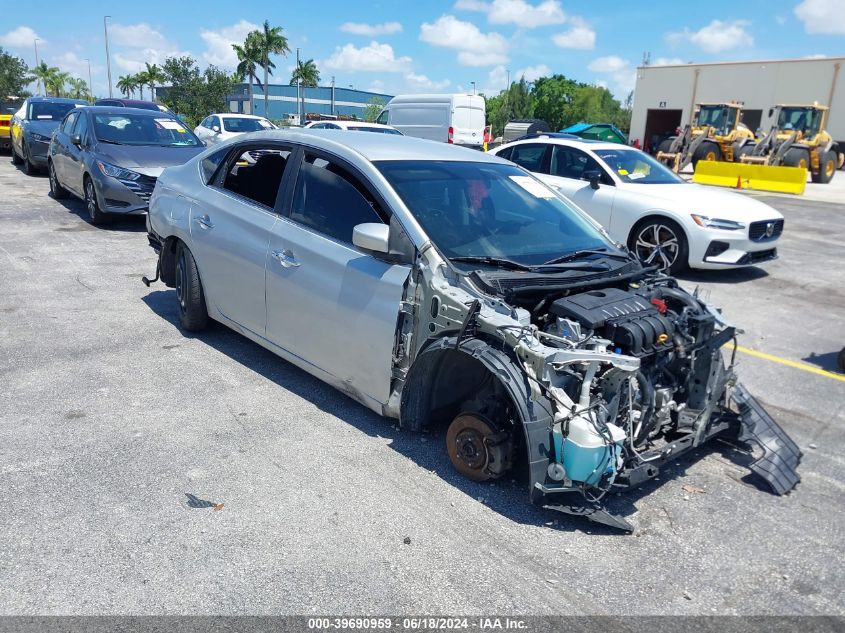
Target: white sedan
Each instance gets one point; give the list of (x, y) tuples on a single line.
[(355, 126), (216, 128), (664, 219)]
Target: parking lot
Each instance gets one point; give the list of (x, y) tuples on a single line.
[(149, 472)]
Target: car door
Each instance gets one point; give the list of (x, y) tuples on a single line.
[(74, 163), (328, 302), (230, 226), (59, 145), (202, 130), (567, 171)]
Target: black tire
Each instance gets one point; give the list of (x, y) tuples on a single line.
[(708, 150), (665, 144), (797, 157), (673, 257), (95, 214), (745, 150), (827, 167), (28, 168), (16, 160), (189, 294), (56, 189)]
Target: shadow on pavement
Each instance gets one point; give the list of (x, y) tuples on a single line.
[(115, 222), (507, 496), (828, 361)]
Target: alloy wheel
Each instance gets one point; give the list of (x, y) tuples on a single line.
[(657, 244), (182, 282), (91, 199)]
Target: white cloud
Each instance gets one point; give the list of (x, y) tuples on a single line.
[(717, 36), (579, 35), (517, 12), (133, 61), (780, 19), (667, 61), (137, 36), (421, 82), (377, 85), (822, 16), (360, 28), (497, 80), (75, 65), (816, 56), (21, 37), (374, 57), (218, 43), (475, 47), (533, 73), (607, 64)]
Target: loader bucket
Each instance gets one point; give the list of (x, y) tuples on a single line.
[(753, 177)]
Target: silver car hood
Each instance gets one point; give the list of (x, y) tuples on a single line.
[(149, 160)]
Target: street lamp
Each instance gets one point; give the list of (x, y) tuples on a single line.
[(108, 55), (473, 87), (37, 63)]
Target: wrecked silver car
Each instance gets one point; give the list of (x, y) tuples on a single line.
[(452, 290)]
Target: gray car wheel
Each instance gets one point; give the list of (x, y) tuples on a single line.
[(660, 242), (94, 213), (28, 168), (56, 189), (192, 311)]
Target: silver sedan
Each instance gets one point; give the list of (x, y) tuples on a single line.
[(452, 289)]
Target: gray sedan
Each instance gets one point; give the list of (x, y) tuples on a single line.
[(111, 157), (33, 125), (455, 291)]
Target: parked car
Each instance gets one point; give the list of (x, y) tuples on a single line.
[(216, 128), (32, 126), (132, 103), (354, 126), (665, 220), (111, 157), (7, 109), (442, 285), (448, 118)]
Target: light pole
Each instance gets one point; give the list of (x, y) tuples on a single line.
[(298, 84), (37, 63), (90, 87), (108, 55), (333, 108), (473, 87)]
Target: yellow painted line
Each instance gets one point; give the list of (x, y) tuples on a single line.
[(789, 363)]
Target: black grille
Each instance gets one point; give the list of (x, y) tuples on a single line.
[(759, 257), (758, 231), (143, 187)]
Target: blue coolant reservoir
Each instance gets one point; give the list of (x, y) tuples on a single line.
[(586, 454)]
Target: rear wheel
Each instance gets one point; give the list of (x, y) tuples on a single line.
[(797, 157), (56, 189), (706, 151), (94, 213), (192, 311), (827, 167), (16, 160), (660, 242), (28, 168)]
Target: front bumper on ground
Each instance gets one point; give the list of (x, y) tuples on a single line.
[(126, 197)]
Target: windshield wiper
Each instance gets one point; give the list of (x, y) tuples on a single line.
[(110, 142), (492, 261), (581, 253)]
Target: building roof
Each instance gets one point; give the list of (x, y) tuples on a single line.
[(751, 62)]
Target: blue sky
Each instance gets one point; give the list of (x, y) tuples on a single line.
[(431, 46)]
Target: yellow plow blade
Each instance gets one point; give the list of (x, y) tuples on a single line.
[(754, 177)]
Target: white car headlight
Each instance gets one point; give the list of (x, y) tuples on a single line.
[(117, 172), (717, 223)]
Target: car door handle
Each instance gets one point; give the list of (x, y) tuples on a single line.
[(204, 221), (286, 258)]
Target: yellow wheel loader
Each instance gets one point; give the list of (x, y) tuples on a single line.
[(797, 139), (716, 134)]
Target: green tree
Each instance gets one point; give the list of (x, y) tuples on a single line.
[(141, 80), (45, 74), (553, 97), (269, 41), (373, 108), (594, 104), (306, 73), (126, 84), (249, 60), (14, 76), (154, 77), (194, 94), (78, 88), (57, 82)]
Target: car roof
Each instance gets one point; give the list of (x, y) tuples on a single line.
[(376, 147), (126, 110), (582, 143), (236, 115), (55, 100)]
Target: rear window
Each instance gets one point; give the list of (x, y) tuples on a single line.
[(468, 118), (244, 124), (419, 116), (46, 111)]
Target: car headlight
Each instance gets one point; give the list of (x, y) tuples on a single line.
[(717, 223), (40, 137), (117, 172)]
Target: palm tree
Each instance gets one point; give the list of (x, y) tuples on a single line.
[(79, 88), (45, 74), (248, 62), (154, 76), (269, 41), (57, 82), (141, 81), (306, 73), (126, 84)]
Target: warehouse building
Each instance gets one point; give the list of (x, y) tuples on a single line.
[(665, 96), (323, 100)]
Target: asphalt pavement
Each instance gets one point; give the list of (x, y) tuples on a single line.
[(143, 471)]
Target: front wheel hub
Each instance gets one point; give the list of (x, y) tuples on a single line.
[(477, 450)]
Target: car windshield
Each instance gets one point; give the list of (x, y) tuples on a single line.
[(243, 124), (141, 129), (46, 111), (634, 166), (380, 130), (491, 210)]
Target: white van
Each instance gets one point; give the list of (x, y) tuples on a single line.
[(456, 118)]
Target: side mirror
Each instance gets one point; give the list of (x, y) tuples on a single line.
[(593, 175), (372, 236), (76, 140), (215, 129), (771, 112)]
